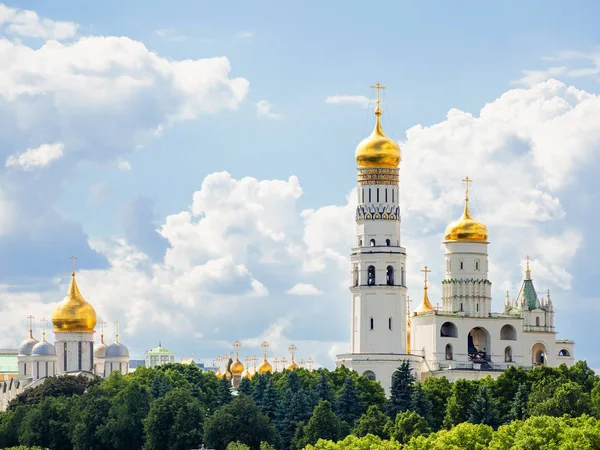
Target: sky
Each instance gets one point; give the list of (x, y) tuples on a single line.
[(198, 159)]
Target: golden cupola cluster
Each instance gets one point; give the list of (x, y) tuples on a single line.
[(466, 228), (74, 314), (238, 370), (378, 150)]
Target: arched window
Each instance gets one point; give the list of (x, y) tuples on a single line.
[(508, 333), (448, 329), (370, 375), (449, 354), (389, 276), (508, 354), (372, 242), (390, 323), (564, 352), (355, 276), (360, 242), (537, 321), (388, 242), (371, 275), (372, 323), (401, 275)]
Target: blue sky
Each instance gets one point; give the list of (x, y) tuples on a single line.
[(128, 159)]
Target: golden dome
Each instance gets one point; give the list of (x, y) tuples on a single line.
[(237, 368), (292, 366), (425, 305), (265, 367), (74, 313), (378, 150), (466, 228)]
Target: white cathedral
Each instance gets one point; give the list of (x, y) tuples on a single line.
[(73, 352), (463, 338)]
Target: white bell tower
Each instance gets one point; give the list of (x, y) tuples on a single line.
[(379, 308)]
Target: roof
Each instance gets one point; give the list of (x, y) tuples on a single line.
[(160, 349), (8, 363), (528, 293)]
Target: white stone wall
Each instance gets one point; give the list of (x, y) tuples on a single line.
[(116, 364), (44, 366), (72, 341)]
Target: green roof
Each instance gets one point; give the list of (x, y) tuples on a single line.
[(529, 294), (160, 349), (8, 363)]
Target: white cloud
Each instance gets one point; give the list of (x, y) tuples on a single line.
[(170, 34), (123, 164), (28, 24), (263, 109), (33, 158), (359, 100), (245, 34), (303, 289), (580, 64)]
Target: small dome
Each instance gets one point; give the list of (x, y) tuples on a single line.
[(116, 350), (292, 366), (378, 150), (265, 367), (100, 350), (237, 368), (43, 348), (27, 346), (466, 229), (74, 313)]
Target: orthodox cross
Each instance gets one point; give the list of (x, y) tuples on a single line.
[(301, 363), (426, 271), (102, 323), (467, 180), (117, 328), (73, 258), (30, 317), (237, 346), (219, 362), (283, 362), (527, 259), (379, 88), (254, 359), (44, 327), (265, 346), (408, 302), (309, 362), (292, 350), (275, 362)]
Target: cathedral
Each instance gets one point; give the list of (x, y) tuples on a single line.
[(461, 339), (73, 351)]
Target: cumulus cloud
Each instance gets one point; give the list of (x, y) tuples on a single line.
[(33, 158), (245, 34), (263, 109), (359, 100), (170, 34), (27, 23), (303, 289), (574, 64)]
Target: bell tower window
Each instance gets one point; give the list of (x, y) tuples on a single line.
[(371, 275)]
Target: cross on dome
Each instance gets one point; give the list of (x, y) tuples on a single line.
[(467, 180), (379, 87), (73, 258), (44, 328), (30, 317), (426, 271), (117, 331)]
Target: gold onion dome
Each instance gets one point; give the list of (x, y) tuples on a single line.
[(292, 366), (237, 368), (378, 150), (265, 367), (74, 314), (466, 228), (425, 305)]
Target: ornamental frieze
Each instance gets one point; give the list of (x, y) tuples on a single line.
[(379, 212)]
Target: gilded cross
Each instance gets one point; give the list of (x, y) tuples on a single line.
[(44, 325), (254, 359), (73, 258), (408, 302), (265, 346), (292, 350), (102, 323), (426, 271), (527, 259), (117, 328), (237, 346), (309, 363), (379, 88), (467, 180), (283, 361), (275, 362), (30, 317)]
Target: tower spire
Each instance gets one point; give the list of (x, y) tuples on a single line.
[(527, 269), (425, 305)]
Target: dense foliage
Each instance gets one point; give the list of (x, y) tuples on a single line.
[(178, 406)]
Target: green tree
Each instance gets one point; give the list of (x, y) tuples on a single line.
[(270, 400), (88, 414), (569, 399), (161, 384), (174, 421), (323, 424), (259, 389), (323, 388), (348, 406), (293, 408), (245, 387), (505, 388), (368, 442), (237, 446), (484, 409), (465, 436), (241, 420), (402, 387), (437, 390), (459, 403), (408, 424), (47, 424), (224, 396), (518, 407), (9, 425), (123, 429), (63, 386), (266, 446), (420, 402), (372, 422)]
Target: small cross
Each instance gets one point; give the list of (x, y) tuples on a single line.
[(265, 346), (292, 350), (117, 328), (408, 302), (275, 361), (426, 271), (73, 258), (309, 362), (301, 363), (30, 317), (379, 88), (44, 324), (283, 361), (237, 345), (102, 323), (467, 180), (527, 259)]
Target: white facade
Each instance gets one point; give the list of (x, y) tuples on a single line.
[(74, 352)]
